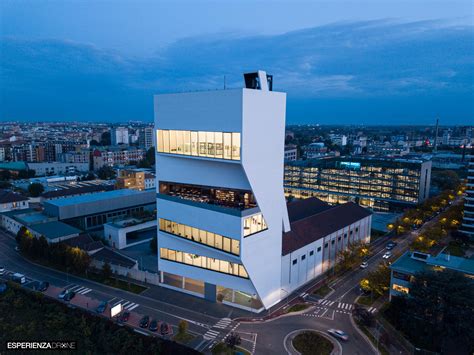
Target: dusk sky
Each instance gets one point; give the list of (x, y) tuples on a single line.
[(357, 62)]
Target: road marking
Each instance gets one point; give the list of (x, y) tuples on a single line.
[(124, 304), (132, 308), (79, 289), (86, 292), (331, 303)]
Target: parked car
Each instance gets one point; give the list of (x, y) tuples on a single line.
[(20, 278), (364, 265), (165, 329), (69, 296), (390, 245), (2, 270), (387, 255), (144, 322), (123, 317), (336, 333), (43, 286), (62, 294), (101, 307), (3, 287), (153, 325)]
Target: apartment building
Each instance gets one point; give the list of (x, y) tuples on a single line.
[(467, 226)]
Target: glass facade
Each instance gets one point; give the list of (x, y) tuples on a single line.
[(254, 224), (370, 181), (218, 145), (212, 240), (204, 262), (240, 199)]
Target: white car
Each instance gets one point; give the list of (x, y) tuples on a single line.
[(2, 270), (364, 265), (338, 334), (387, 255)]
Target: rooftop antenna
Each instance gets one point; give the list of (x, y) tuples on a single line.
[(436, 136)]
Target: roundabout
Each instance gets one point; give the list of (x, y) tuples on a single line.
[(311, 342)]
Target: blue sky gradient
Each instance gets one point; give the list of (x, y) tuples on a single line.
[(356, 71)]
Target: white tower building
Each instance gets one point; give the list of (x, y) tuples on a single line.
[(220, 200)]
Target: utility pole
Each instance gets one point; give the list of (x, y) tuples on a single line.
[(436, 136)]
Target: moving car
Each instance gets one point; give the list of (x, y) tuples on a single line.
[(387, 255), (165, 329), (154, 325), (364, 265), (69, 296), (43, 286), (390, 245), (101, 307), (2, 270), (144, 322), (336, 333)]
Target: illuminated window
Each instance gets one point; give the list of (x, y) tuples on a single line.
[(210, 239), (401, 289), (219, 145), (254, 224), (204, 262)]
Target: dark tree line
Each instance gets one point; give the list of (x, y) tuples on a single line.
[(438, 314), (58, 254)]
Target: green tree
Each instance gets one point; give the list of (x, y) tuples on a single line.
[(154, 245), (35, 189), (233, 340), (182, 327), (378, 281), (106, 173), (445, 179), (106, 271), (438, 313)]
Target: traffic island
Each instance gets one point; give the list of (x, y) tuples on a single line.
[(311, 342)]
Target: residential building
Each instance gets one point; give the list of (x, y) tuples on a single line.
[(114, 156), (291, 152), (405, 268), (338, 139), (314, 150), (467, 226), (382, 184), (119, 135), (58, 168), (10, 200), (147, 138)]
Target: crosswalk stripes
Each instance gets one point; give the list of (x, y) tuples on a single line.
[(223, 323), (210, 334), (81, 290), (372, 309)]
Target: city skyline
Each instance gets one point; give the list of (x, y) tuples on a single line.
[(363, 68)]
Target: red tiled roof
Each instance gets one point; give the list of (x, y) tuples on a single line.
[(304, 208), (316, 226), (9, 196)]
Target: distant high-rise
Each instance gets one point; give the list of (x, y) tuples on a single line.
[(146, 138), (467, 226), (119, 135)]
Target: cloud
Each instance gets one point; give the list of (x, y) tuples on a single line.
[(362, 65)]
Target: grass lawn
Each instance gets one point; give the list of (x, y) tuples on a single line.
[(222, 349), (117, 283), (366, 300), (183, 338), (322, 291), (297, 307), (312, 343)]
